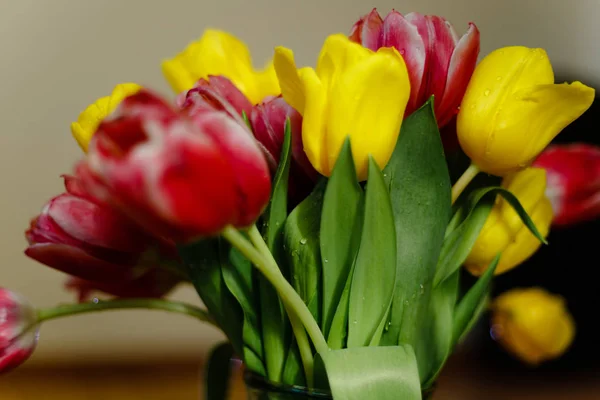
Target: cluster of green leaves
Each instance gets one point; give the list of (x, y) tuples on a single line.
[(378, 266)]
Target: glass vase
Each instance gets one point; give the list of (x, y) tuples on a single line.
[(259, 388)]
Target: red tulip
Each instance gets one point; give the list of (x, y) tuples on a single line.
[(573, 176), (439, 63), (268, 124), (18, 330), (90, 240), (181, 177)]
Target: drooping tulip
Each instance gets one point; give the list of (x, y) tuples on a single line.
[(18, 330), (354, 92), (504, 232), (573, 173), (512, 109), (220, 53), (532, 324), (90, 240), (179, 177), (87, 123), (439, 62)]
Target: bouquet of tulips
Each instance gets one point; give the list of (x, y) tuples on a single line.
[(322, 214)]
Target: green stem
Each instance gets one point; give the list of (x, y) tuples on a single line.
[(288, 295), (462, 182), (299, 331), (67, 310)]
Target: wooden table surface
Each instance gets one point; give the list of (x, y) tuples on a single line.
[(182, 382)]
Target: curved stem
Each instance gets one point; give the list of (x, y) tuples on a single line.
[(464, 181), (299, 331), (288, 295), (67, 310)]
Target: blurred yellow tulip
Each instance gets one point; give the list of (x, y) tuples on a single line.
[(353, 92), (220, 53), (504, 231), (532, 324), (512, 109), (85, 126)]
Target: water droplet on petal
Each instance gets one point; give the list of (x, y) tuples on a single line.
[(498, 78), (487, 92)]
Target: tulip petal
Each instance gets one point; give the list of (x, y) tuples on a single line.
[(292, 87), (442, 40), (337, 55), (367, 30), (215, 53), (462, 65), (539, 113), (368, 102), (400, 33), (87, 123), (77, 262)]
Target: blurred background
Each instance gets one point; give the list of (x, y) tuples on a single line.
[(60, 55)]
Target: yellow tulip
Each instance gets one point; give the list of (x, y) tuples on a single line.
[(85, 126), (512, 109), (353, 92), (532, 324), (220, 53), (504, 231)]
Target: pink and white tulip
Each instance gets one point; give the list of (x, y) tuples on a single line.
[(18, 330), (439, 62)]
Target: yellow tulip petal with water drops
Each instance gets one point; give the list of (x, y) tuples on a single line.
[(87, 123), (353, 92), (512, 109), (220, 53)]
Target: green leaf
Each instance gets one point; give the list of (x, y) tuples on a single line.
[(247, 121), (459, 243), (382, 373), (293, 372), (437, 343), (218, 372), (340, 231), (237, 275), (301, 241), (275, 325), (468, 305), (204, 262), (375, 269), (419, 184), (338, 334)]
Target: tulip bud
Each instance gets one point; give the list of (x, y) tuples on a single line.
[(512, 109), (532, 324), (268, 124), (439, 63), (220, 53), (177, 177), (216, 92), (353, 92), (573, 173), (90, 118), (504, 232), (18, 330)]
